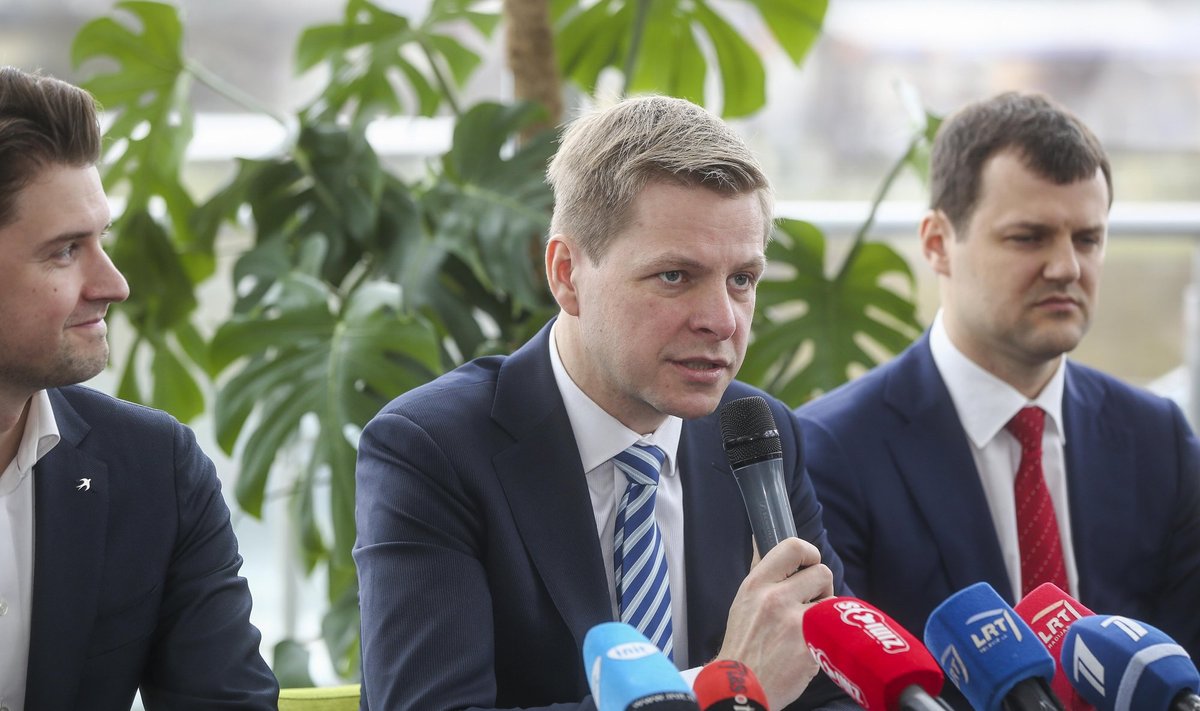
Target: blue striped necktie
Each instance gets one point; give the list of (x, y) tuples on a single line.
[(639, 561)]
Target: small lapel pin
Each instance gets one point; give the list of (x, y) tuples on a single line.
[(84, 484)]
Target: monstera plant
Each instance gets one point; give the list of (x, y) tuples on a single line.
[(357, 284)]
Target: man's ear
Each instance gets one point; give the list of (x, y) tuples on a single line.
[(936, 234), (563, 259)]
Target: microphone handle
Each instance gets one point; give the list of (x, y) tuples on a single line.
[(1186, 700), (1031, 695), (914, 698), (767, 503)]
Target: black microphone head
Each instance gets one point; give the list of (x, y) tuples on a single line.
[(748, 431)]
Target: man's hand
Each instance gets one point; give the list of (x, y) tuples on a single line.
[(764, 630)]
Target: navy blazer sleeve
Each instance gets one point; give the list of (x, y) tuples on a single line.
[(425, 591), (205, 652), (136, 579)]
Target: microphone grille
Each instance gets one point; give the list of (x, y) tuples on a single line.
[(748, 431)]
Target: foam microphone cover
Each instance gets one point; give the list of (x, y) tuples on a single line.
[(1049, 611), (984, 647), (748, 431), (626, 672), (726, 685), (865, 652), (1119, 664)]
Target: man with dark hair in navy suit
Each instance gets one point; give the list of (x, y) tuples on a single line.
[(488, 500), (930, 477), (118, 565)]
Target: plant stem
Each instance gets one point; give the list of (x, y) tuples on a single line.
[(635, 43), (447, 90), (884, 188), (231, 92)]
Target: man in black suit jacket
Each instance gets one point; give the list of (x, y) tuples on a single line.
[(118, 565), (486, 499)]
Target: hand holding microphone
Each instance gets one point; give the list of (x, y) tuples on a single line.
[(765, 629)]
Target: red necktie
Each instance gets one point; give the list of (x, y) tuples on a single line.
[(1037, 526)]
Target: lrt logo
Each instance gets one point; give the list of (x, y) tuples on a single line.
[(631, 650), (1052, 621), (837, 677), (997, 625), (1086, 667), (855, 613), (955, 669)]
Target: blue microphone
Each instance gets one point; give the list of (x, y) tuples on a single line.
[(1119, 664), (989, 652), (626, 672)]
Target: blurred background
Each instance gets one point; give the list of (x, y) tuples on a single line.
[(830, 129)]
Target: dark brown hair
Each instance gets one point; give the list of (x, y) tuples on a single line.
[(1051, 141), (43, 121)]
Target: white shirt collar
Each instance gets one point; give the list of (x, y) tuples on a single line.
[(984, 402), (600, 436), (40, 436)]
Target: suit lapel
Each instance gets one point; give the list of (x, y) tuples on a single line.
[(69, 540), (1098, 449), (543, 480), (934, 458)]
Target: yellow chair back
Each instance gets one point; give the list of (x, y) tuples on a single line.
[(323, 698)]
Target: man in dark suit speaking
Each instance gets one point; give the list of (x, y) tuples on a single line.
[(118, 565), (982, 453), (491, 502)]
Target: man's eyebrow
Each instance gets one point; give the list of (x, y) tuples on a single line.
[(673, 262)]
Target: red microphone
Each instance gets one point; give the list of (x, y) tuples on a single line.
[(726, 685), (1050, 611), (871, 657)]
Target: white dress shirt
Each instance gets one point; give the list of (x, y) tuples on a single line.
[(600, 437), (985, 404), (16, 549)]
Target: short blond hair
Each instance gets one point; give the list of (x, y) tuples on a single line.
[(605, 159)]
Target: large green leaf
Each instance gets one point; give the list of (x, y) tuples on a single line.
[(796, 24), (658, 47), (146, 96), (810, 330), (297, 357), (373, 52), (484, 217)]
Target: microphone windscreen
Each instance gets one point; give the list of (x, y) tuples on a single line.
[(726, 685), (1119, 664), (868, 654), (1049, 611), (627, 672), (984, 647), (748, 431)]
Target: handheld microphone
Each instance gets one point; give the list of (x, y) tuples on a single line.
[(751, 441), (989, 652), (726, 685), (1049, 612), (1119, 664), (878, 663), (626, 672)]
